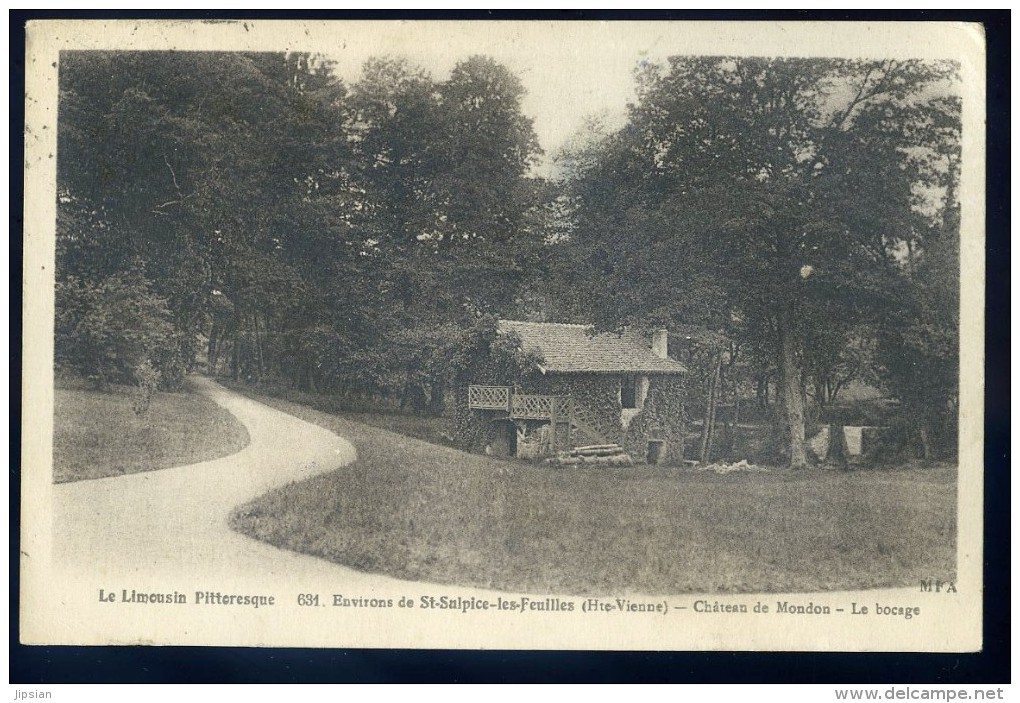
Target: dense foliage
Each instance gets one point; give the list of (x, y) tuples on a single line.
[(341, 236), (789, 206), (793, 222), (116, 330)]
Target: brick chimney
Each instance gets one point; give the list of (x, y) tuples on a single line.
[(660, 343)]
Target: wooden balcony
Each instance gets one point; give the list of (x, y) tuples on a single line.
[(540, 407), (570, 421), (520, 406), (489, 398)]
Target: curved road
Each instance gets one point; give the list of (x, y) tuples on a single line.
[(175, 521), (167, 531)]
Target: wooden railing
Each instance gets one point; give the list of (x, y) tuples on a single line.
[(489, 397), (540, 407), (573, 420)]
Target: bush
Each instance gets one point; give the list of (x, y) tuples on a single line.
[(174, 360), (106, 331), (147, 379)]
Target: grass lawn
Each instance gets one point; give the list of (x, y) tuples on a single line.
[(419, 511), (97, 434), (437, 430)]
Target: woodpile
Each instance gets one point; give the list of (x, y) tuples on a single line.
[(593, 455)]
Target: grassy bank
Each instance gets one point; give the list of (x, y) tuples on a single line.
[(420, 511), (387, 416), (97, 434)]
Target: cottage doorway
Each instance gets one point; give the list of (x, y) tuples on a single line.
[(502, 438)]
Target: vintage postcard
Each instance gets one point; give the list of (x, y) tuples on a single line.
[(504, 335)]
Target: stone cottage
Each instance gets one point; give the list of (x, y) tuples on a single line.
[(580, 389)]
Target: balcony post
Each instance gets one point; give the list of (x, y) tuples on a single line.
[(570, 421), (552, 421)]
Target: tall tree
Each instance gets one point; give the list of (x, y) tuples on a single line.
[(196, 165), (448, 205), (783, 189)]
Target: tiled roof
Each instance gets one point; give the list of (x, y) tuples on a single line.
[(572, 349)]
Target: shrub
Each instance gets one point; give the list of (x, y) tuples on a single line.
[(107, 330), (147, 380)]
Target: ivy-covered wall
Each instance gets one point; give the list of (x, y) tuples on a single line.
[(661, 418), (472, 425), (498, 361), (599, 393)]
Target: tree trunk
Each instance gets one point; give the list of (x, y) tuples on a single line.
[(822, 390), (213, 349), (234, 361), (258, 347), (926, 451), (709, 426), (736, 402), (792, 383), (436, 398)]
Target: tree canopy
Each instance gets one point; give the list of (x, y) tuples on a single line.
[(332, 234), (777, 201), (799, 214)]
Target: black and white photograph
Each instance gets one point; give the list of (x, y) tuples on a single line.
[(520, 335)]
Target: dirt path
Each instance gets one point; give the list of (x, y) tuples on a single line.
[(167, 532), (175, 521)]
